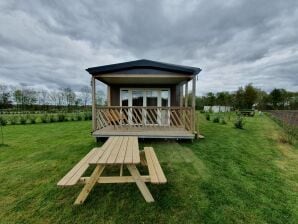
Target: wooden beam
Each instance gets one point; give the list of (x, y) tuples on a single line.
[(194, 102), (93, 86), (181, 94), (115, 180), (186, 95), (109, 95), (89, 185)]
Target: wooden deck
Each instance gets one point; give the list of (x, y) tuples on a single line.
[(148, 132)]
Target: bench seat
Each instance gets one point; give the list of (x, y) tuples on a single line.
[(74, 175), (155, 171)]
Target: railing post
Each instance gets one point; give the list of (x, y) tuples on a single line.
[(194, 104), (93, 86)]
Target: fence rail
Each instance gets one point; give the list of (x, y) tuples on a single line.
[(145, 117)]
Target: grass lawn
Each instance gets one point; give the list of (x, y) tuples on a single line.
[(231, 176)]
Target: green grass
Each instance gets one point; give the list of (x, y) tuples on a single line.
[(231, 176)]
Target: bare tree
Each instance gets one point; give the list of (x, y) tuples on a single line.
[(4, 96), (85, 95)]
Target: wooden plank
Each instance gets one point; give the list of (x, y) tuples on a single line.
[(135, 149), (115, 180), (72, 177), (129, 152), (115, 151), (89, 185), (103, 159), (154, 167), (140, 183), (157, 167), (98, 154), (152, 173), (122, 151)]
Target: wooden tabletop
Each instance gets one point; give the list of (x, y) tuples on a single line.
[(118, 150)]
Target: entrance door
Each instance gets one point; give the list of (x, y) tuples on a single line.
[(152, 100), (137, 102), (146, 106)]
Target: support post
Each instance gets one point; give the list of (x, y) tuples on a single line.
[(186, 95), (109, 96), (194, 104), (181, 94), (93, 86)]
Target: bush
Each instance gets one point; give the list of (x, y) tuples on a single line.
[(32, 120), (79, 118), (13, 120), (3, 122), (216, 119), (61, 117), (223, 121), (44, 118), (52, 118), (239, 123), (23, 120), (207, 117)]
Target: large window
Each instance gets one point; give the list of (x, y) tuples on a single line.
[(153, 99)]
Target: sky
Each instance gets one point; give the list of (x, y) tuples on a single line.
[(49, 44)]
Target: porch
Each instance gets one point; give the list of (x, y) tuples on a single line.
[(145, 122)]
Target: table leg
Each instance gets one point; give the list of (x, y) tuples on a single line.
[(140, 183), (89, 185)]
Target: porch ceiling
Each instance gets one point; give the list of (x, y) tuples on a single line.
[(143, 79)]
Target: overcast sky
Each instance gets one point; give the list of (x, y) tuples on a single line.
[(49, 44)]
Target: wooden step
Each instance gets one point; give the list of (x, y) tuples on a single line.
[(155, 171)]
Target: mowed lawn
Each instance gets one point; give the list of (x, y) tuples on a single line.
[(231, 176)]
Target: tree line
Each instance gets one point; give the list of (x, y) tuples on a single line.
[(23, 98), (249, 97)]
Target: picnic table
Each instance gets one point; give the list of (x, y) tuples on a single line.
[(122, 151)]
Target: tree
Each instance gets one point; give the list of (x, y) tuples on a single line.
[(210, 99), (85, 95), (250, 96), (4, 96), (69, 96), (276, 96)]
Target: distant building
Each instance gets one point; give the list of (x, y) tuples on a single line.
[(217, 109)]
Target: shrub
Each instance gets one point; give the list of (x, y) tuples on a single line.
[(207, 117), (239, 123), (79, 118), (3, 122), (44, 118), (23, 120), (32, 120), (13, 120), (51, 118), (61, 117), (86, 116), (223, 121), (216, 119)]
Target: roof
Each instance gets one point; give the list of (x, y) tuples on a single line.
[(141, 64)]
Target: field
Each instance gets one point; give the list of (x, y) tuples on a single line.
[(231, 176)]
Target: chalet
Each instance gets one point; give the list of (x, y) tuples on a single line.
[(145, 98)]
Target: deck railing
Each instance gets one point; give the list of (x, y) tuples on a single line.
[(144, 117)]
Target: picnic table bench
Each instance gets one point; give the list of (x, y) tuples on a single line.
[(116, 151)]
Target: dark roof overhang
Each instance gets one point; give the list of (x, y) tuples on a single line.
[(143, 64)]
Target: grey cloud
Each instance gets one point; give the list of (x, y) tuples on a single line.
[(50, 43)]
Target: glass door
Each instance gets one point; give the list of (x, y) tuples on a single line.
[(165, 112), (146, 106), (152, 98), (137, 102)]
